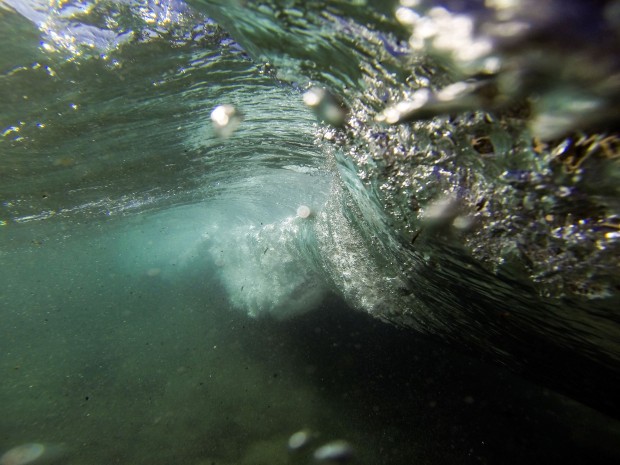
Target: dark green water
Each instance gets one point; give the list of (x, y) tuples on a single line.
[(162, 302)]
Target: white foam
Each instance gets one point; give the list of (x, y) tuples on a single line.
[(264, 271)]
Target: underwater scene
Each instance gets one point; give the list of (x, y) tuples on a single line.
[(293, 232)]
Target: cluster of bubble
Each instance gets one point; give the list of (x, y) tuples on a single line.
[(506, 51), (77, 28), (478, 174)]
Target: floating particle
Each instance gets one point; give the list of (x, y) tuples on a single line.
[(338, 451), (406, 16), (410, 3), (313, 97), (326, 106), (442, 210), (152, 272), (303, 211), (30, 454), (226, 119), (463, 222), (299, 440)]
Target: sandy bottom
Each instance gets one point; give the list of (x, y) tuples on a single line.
[(136, 367)]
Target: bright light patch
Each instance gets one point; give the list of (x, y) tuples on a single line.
[(225, 120)]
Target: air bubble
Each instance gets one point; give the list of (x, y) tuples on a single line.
[(303, 211), (226, 119)]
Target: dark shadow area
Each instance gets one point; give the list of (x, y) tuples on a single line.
[(420, 398)]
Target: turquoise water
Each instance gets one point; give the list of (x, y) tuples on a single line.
[(112, 360), (163, 301)]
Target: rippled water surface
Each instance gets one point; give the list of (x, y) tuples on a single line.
[(223, 223)]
